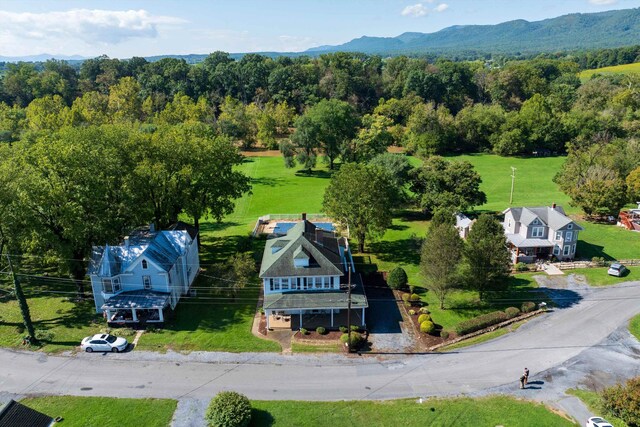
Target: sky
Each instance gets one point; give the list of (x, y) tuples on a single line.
[(122, 29)]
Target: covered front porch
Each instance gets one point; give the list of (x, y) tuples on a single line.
[(136, 308), (311, 319), (529, 250)]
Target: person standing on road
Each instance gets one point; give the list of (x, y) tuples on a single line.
[(526, 376), (522, 380)]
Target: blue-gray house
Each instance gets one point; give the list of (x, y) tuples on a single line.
[(147, 273)]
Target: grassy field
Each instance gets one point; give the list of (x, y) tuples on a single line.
[(214, 321), (599, 276), (491, 411), (105, 411), (617, 69), (483, 338), (310, 348), (634, 326), (592, 400)]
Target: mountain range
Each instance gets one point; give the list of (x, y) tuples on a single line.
[(577, 31)]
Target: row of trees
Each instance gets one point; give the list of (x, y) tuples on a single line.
[(480, 263), (65, 191)]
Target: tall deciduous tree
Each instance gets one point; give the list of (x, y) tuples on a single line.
[(440, 260), (440, 184), (487, 255), (72, 191), (360, 197)]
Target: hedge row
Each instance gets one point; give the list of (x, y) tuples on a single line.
[(480, 322)]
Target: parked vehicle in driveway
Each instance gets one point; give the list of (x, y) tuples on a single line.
[(104, 342), (617, 269), (598, 422)]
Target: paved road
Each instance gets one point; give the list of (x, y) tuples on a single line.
[(589, 317)]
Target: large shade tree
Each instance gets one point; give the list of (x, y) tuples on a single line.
[(440, 260), (360, 197)]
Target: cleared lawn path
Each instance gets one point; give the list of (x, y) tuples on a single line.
[(491, 411), (105, 411)]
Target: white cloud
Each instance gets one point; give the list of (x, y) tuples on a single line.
[(441, 7), (107, 27), (416, 10), (603, 2)]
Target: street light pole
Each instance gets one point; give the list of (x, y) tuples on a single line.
[(513, 180), (348, 297)]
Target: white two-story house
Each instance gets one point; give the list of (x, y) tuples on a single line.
[(540, 233), (305, 277), (136, 281)]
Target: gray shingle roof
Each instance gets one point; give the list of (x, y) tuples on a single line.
[(15, 414), (556, 219), (319, 245)]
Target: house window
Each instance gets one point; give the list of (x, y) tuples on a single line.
[(569, 236), (573, 249), (558, 235), (556, 250), (107, 286), (567, 248), (537, 232), (116, 285), (144, 264), (570, 226), (146, 282), (284, 284)]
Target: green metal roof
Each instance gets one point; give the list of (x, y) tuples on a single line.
[(304, 238), (314, 300)]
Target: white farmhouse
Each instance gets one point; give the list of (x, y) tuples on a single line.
[(136, 281), (540, 233)]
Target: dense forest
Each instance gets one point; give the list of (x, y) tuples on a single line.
[(148, 141)]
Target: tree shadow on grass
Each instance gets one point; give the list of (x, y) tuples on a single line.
[(260, 418), (267, 182), (210, 227), (404, 251), (314, 174), (589, 250)]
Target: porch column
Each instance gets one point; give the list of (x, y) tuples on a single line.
[(300, 319), (268, 314), (363, 315), (108, 314), (160, 315), (332, 317), (134, 315)]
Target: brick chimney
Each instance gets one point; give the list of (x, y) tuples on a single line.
[(553, 206), (304, 216)]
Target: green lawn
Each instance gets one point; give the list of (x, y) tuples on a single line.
[(592, 400), (617, 69), (491, 411), (608, 241), (59, 322), (311, 348), (634, 326), (483, 338), (599, 276), (105, 411)]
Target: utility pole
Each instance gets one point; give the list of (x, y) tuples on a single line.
[(22, 302), (347, 253), (513, 180)]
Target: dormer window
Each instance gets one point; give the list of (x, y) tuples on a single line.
[(144, 264), (570, 226), (537, 232)]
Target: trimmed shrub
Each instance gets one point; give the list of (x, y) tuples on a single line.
[(480, 322), (412, 289), (405, 297), (521, 266), (229, 409), (357, 340), (424, 310), (427, 327), (44, 335), (407, 304), (355, 328), (598, 261), (321, 330), (528, 307), (412, 312), (303, 331), (397, 279), (423, 317), (444, 334), (511, 312), (343, 329), (414, 297)]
